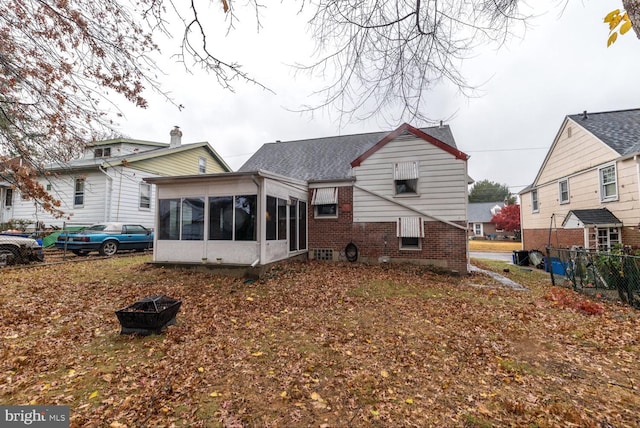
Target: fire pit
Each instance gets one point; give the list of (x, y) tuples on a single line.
[(149, 315)]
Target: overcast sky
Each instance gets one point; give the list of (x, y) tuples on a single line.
[(560, 66)]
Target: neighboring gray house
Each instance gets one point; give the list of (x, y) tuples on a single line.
[(480, 215), (376, 197)]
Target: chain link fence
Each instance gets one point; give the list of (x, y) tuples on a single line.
[(607, 274)]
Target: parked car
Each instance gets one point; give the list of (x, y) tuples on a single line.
[(18, 249), (106, 238)]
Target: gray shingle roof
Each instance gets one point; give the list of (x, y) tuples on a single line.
[(595, 216), (325, 158), (620, 129), (480, 212)]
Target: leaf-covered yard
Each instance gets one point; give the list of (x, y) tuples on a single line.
[(320, 345)]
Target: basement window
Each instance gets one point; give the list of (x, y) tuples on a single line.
[(410, 232)]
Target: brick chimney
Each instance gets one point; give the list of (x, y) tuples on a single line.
[(176, 137)]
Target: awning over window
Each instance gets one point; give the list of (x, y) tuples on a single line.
[(325, 196), (410, 227), (405, 171)]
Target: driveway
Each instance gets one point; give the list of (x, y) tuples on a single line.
[(507, 257)]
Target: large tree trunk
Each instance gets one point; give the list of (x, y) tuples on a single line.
[(633, 10)]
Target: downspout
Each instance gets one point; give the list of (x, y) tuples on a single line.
[(107, 194), (637, 159), (119, 195), (261, 224)]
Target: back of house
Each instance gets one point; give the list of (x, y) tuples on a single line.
[(396, 196)]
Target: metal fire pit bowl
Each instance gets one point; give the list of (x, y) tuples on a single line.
[(148, 315)]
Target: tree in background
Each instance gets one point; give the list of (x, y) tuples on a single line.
[(489, 191), (508, 218)]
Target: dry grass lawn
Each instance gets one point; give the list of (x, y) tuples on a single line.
[(318, 345), (494, 246)]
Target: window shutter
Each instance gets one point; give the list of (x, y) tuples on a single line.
[(405, 171), (325, 196)]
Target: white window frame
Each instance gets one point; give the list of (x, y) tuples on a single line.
[(325, 196), (607, 238), (142, 195), (478, 229), (406, 246), (407, 172), (102, 152), (79, 193), (602, 171), (564, 182), (8, 197), (202, 165), (535, 202)]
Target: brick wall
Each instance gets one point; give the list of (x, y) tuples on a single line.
[(538, 239), (443, 246), (631, 237)]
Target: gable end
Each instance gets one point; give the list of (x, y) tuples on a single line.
[(416, 132)]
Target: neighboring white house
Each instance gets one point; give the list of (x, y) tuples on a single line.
[(107, 183)]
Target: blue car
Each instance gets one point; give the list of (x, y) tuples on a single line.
[(106, 238)]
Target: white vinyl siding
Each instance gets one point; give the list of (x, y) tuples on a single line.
[(442, 186), (571, 155)]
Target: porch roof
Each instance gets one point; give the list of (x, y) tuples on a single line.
[(593, 217)]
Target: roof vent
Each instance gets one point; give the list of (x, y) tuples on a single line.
[(441, 125), (176, 137), (584, 115)]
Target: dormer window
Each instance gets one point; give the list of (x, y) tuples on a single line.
[(102, 152)]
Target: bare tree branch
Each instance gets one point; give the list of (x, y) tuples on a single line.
[(381, 56)]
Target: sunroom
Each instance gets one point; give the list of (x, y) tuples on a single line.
[(233, 219)]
